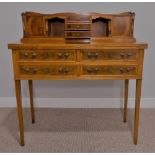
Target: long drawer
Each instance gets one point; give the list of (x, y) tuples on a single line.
[(96, 54), (54, 55), (108, 70), (53, 70)]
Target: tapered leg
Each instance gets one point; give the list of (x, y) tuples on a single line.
[(126, 100), (19, 110), (31, 100), (137, 109)]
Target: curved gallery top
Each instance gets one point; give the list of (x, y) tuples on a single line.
[(78, 28)]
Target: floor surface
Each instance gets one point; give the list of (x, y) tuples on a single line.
[(77, 130)]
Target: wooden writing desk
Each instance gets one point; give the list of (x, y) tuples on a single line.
[(69, 46)]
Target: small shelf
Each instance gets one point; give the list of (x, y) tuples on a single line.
[(100, 27), (56, 27)]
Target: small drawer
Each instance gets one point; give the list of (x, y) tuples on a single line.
[(79, 18), (108, 55), (109, 70), (78, 34), (78, 26), (48, 55), (53, 70)]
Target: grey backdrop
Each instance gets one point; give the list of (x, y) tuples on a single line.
[(11, 31)]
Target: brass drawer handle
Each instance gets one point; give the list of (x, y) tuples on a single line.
[(125, 56), (63, 55), (92, 70), (92, 55), (126, 70), (63, 70), (77, 26), (31, 70), (129, 54)]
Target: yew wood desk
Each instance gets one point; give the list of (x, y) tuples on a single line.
[(65, 47)]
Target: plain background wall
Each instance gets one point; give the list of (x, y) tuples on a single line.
[(11, 31)]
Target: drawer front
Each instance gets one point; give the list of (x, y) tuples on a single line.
[(109, 70), (78, 26), (108, 55), (53, 70), (78, 34), (57, 55), (75, 18)]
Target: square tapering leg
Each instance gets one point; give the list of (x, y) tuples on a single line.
[(30, 83), (137, 109), (126, 100), (19, 110)]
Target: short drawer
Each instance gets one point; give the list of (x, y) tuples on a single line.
[(109, 55), (57, 55), (78, 26), (108, 70), (53, 70), (78, 34)]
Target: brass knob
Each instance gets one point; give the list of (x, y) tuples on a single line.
[(77, 26)]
